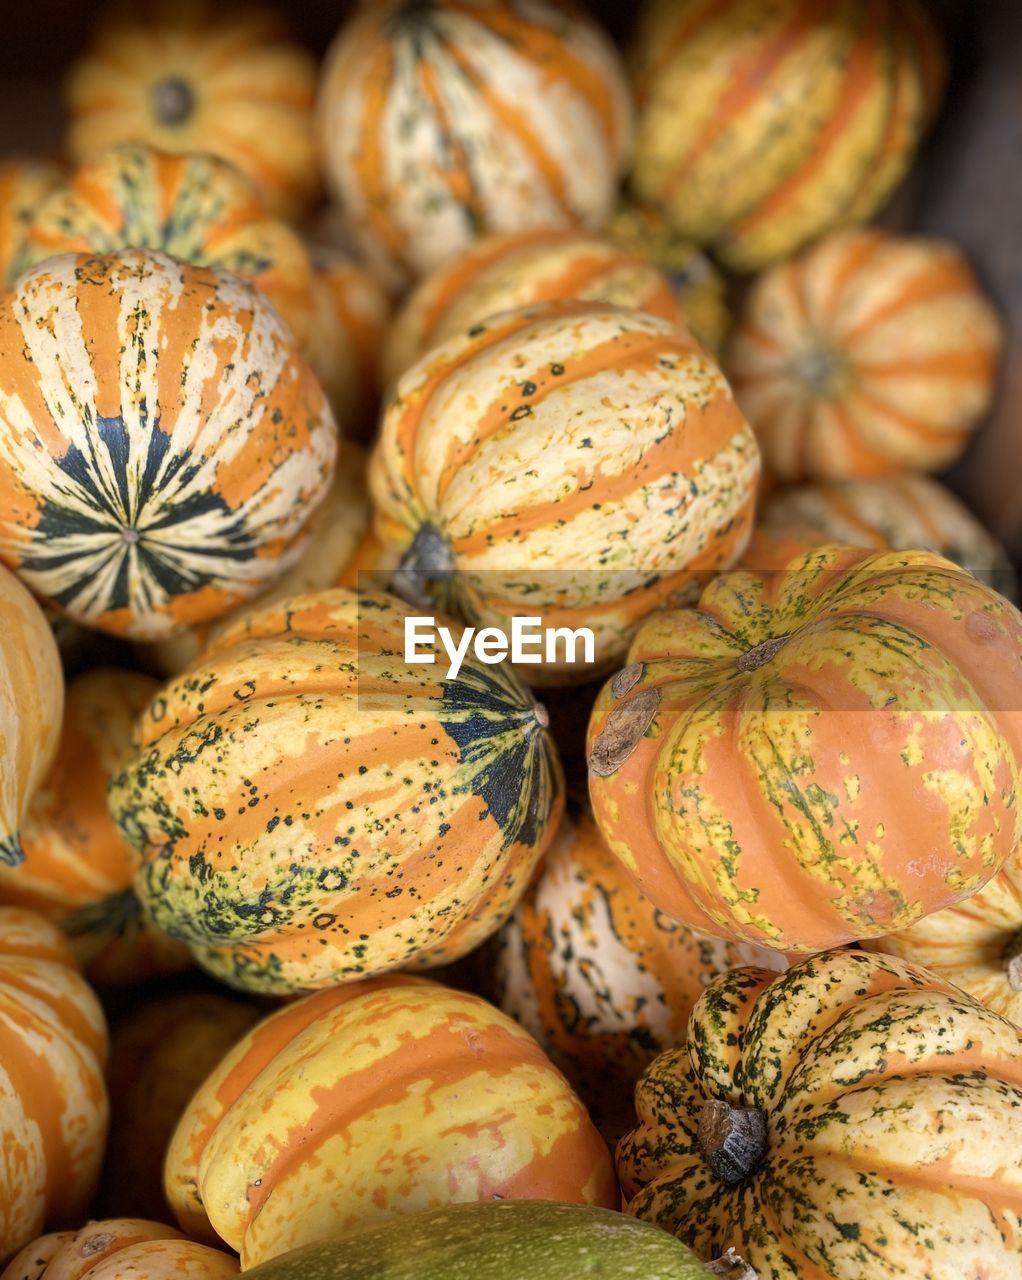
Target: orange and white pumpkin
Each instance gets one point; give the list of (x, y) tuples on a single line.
[(600, 976), (816, 755), (574, 461), (53, 1102), (31, 705), (868, 354), (162, 443), (502, 273), (78, 868), (221, 77), (424, 1096), (445, 120), (120, 1249), (763, 124), (24, 185), (195, 207)]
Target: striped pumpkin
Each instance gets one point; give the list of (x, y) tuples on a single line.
[(501, 273), (162, 444), (221, 77), (869, 354), (24, 185), (422, 1095), (444, 120), (351, 313), (572, 461), (763, 124), (854, 1117), (816, 755), (598, 975), (334, 549), (32, 682), (904, 511), (78, 868), (195, 207), (310, 810), (53, 1102), (159, 1055), (976, 944), (119, 1249)]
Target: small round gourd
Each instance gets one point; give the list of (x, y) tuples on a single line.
[(120, 1249), (162, 443)]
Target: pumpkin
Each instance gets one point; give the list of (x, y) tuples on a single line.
[(423, 1095), (442, 121), (976, 943), (77, 867), (119, 1249), (819, 754), (336, 533), (310, 810), (351, 312), (763, 125), (869, 354), (53, 1103), (501, 273), (31, 703), (162, 444), (598, 975), (159, 1055), (204, 76), (904, 511), (698, 284), (853, 1117), (573, 461), (195, 207), (519, 1239), (24, 184)]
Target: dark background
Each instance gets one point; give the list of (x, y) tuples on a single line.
[(967, 184)]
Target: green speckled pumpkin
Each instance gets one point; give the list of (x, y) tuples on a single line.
[(310, 810)]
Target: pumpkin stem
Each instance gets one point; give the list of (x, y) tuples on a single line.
[(173, 100), (1013, 962), (427, 561), (819, 370), (625, 728), (762, 653), (733, 1140), (732, 1267), (11, 852)]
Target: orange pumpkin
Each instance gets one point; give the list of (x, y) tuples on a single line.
[(53, 1102), (422, 1095), (164, 447), (221, 77), (868, 354), (24, 184), (501, 273), (445, 120), (78, 868), (119, 1249), (33, 697), (817, 755)]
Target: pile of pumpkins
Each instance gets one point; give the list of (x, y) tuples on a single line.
[(393, 961)]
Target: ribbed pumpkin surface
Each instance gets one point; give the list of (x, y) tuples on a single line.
[(310, 810), (573, 461), (763, 124), (501, 273), (24, 184), (598, 975), (423, 1097), (880, 1107), (816, 755), (119, 1249), (195, 207), (53, 1103), (206, 76), (31, 709), (162, 444), (869, 354), (443, 120)]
